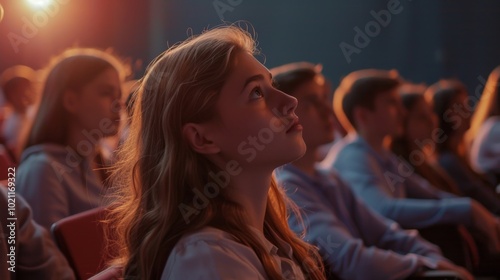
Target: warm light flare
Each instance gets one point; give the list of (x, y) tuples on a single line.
[(39, 3), (1, 12)]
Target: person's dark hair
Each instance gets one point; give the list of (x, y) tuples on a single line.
[(360, 89), (441, 94), (290, 76), (15, 76), (12, 84), (72, 70)]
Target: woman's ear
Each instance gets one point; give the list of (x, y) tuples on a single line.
[(70, 102), (198, 139)]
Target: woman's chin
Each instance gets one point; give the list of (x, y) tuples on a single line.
[(298, 151)]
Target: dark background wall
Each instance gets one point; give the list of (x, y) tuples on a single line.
[(425, 40)]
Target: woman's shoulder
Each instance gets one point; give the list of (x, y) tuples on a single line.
[(43, 153), (42, 161), (211, 239), (212, 253)]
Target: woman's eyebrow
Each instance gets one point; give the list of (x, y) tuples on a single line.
[(255, 78)]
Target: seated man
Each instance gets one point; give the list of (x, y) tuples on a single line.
[(368, 102), (354, 242)]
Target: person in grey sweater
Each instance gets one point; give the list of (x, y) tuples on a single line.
[(61, 171)]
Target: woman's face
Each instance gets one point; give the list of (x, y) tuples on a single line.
[(421, 121), (98, 105), (315, 112), (256, 123)]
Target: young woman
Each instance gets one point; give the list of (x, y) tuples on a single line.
[(449, 99), (198, 199), (58, 174), (484, 134)]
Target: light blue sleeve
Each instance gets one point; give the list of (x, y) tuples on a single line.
[(349, 257), (42, 186), (375, 187), (393, 237)]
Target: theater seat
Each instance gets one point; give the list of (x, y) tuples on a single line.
[(81, 239)]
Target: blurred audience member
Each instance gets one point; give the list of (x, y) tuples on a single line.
[(449, 98), (61, 171), (19, 95)]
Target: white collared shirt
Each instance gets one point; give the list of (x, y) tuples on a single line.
[(215, 254)]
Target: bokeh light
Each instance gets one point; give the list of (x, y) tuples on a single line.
[(39, 3), (1, 12)]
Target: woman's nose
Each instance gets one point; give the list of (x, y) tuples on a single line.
[(289, 103), (117, 106)]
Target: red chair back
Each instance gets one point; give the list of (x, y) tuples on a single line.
[(81, 239)]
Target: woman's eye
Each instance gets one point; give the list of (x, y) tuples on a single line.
[(256, 93)]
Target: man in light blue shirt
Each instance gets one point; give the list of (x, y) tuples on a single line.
[(355, 242)]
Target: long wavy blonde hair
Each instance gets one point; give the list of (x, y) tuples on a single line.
[(158, 170)]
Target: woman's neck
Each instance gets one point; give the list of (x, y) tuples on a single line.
[(250, 190), (81, 144)]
